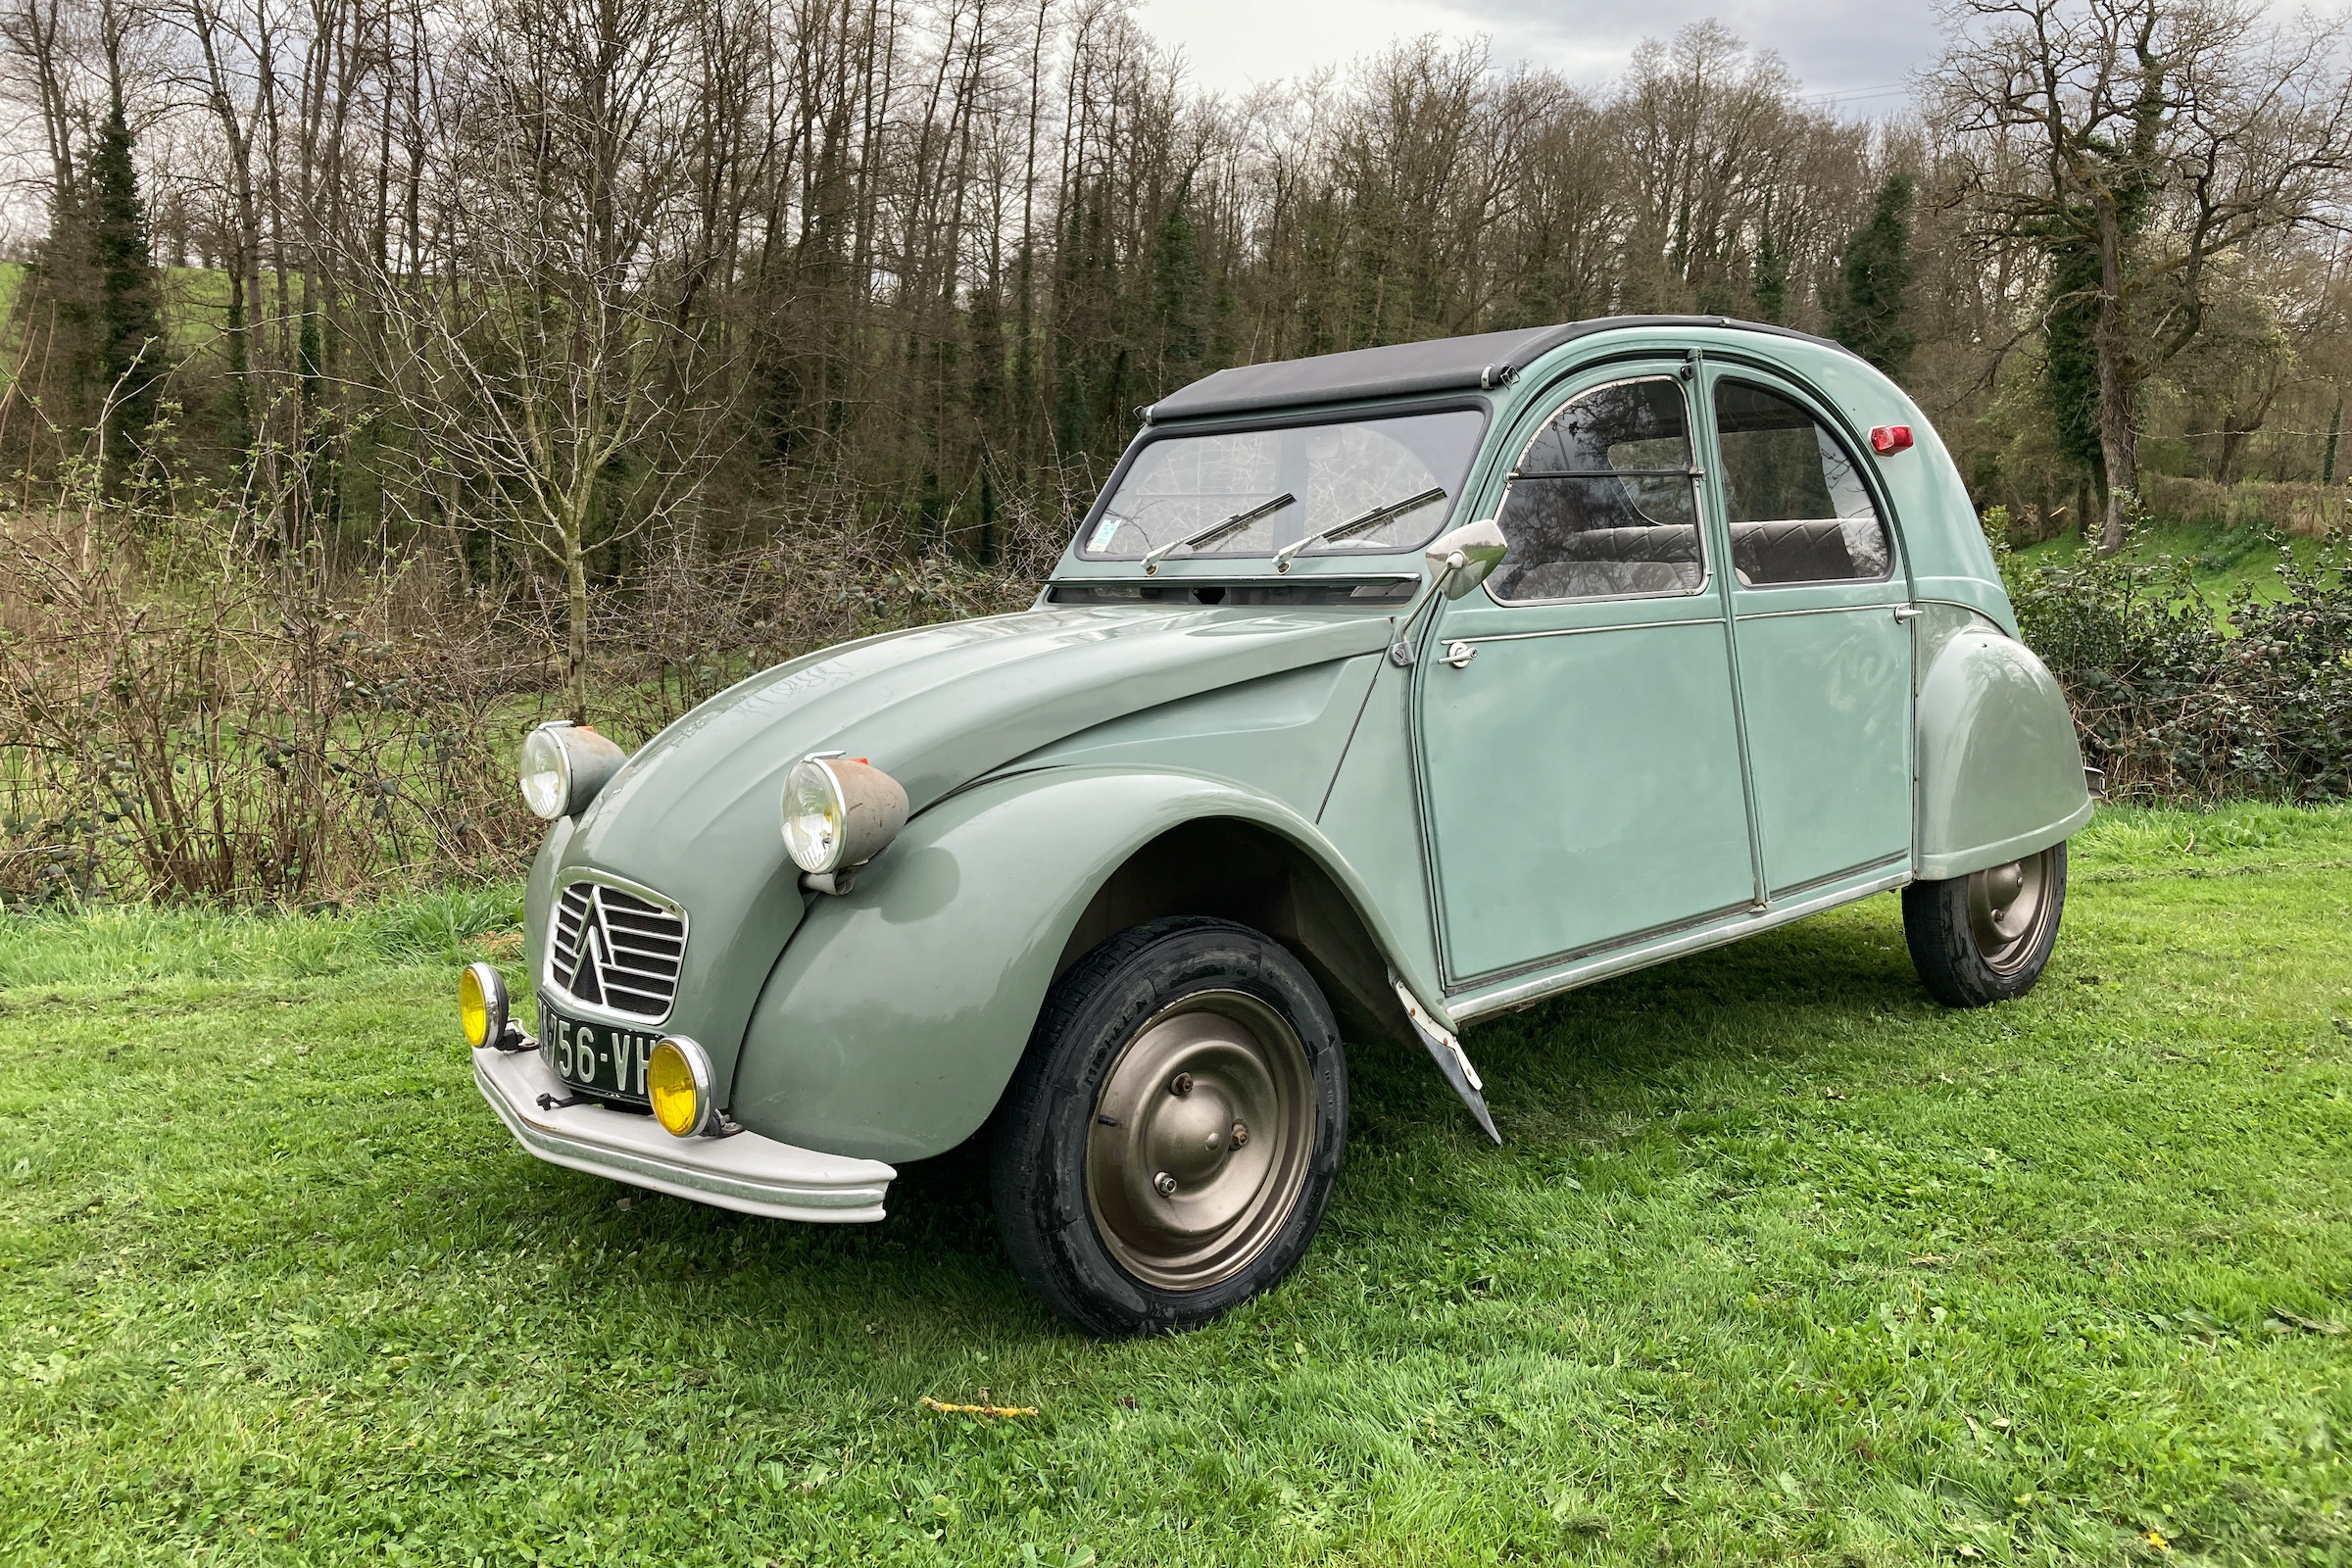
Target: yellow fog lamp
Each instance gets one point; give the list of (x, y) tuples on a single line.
[(678, 1080), (482, 1004), (839, 812)]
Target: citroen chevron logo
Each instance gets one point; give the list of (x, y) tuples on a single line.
[(587, 981), (614, 947)]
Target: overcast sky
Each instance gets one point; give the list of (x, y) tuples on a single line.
[(1857, 52)]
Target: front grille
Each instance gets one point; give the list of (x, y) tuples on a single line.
[(616, 950)]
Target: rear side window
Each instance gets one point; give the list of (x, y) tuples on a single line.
[(1799, 510), (1602, 504)]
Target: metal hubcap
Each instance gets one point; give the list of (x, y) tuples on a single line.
[(1199, 1144), (2007, 907)]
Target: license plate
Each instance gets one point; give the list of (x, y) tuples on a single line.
[(606, 1060)]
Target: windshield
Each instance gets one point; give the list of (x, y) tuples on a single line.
[(1182, 486)]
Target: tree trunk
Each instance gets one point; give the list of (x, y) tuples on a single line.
[(575, 582), (2119, 389), (2238, 426)]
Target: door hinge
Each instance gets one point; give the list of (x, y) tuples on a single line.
[(1908, 612)]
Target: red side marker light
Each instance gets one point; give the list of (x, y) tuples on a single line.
[(1890, 438)]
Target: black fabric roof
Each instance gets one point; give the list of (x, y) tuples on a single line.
[(1440, 364)]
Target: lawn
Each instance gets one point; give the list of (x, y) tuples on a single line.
[(2220, 559), (1778, 1263)]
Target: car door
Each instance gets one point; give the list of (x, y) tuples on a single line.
[(1821, 606), (1579, 741)]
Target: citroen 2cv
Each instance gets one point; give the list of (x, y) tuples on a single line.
[(1378, 694)]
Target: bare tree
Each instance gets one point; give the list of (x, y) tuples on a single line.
[(553, 377), (2163, 135), (517, 281)]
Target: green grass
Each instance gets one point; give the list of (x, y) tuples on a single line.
[(1779, 1263), (2220, 559)]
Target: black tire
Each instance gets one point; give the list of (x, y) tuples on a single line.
[(1986, 937), (1093, 1233)]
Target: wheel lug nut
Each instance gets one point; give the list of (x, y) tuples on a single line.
[(1165, 1183), (1241, 1133), (1180, 1085)]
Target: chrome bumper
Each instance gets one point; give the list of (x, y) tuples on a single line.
[(746, 1172)]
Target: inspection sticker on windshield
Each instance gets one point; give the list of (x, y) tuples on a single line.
[(1105, 531)]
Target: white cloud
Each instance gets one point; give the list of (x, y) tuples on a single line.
[(1859, 52), (1232, 45)]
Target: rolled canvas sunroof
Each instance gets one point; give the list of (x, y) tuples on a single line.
[(1438, 365)]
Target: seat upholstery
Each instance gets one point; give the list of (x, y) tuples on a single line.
[(1806, 550), (1600, 579), (1552, 562), (1604, 562)]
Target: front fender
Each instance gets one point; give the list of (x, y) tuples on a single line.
[(2000, 770), (898, 1012)]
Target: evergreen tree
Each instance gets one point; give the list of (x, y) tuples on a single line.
[(1176, 293), (1771, 284), (130, 335), (2070, 375), (1870, 315)]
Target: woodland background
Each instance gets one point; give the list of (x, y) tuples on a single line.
[(381, 375)]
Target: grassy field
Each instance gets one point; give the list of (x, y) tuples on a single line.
[(1778, 1263), (2220, 559)]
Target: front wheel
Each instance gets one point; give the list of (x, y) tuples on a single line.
[(1987, 936), (1170, 1141)]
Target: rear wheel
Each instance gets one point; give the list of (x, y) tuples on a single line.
[(1987, 936), (1171, 1138)]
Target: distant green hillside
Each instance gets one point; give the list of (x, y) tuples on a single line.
[(195, 303)]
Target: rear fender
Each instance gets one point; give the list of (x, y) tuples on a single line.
[(894, 1018), (2000, 770)]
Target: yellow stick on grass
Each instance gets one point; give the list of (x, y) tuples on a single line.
[(929, 1404)]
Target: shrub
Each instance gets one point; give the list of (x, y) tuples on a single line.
[(2175, 701), (185, 716), (2309, 510), (241, 737)]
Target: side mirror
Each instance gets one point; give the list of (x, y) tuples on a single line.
[(1466, 556)]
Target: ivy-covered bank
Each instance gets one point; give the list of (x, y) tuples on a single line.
[(2185, 692)]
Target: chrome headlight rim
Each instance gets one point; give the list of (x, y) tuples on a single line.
[(861, 809), (699, 1076), (491, 988), (554, 763), (814, 769), (568, 763)]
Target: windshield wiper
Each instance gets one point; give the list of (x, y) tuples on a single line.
[(1355, 525), (1218, 530)]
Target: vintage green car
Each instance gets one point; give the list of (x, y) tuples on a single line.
[(1379, 692)]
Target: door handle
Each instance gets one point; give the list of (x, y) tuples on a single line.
[(1457, 654), (1908, 612)]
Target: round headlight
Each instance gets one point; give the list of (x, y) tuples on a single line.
[(482, 1004), (563, 765), (839, 812), (813, 816), (678, 1080), (546, 774)]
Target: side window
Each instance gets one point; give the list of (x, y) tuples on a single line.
[(1601, 503), (1799, 511)]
